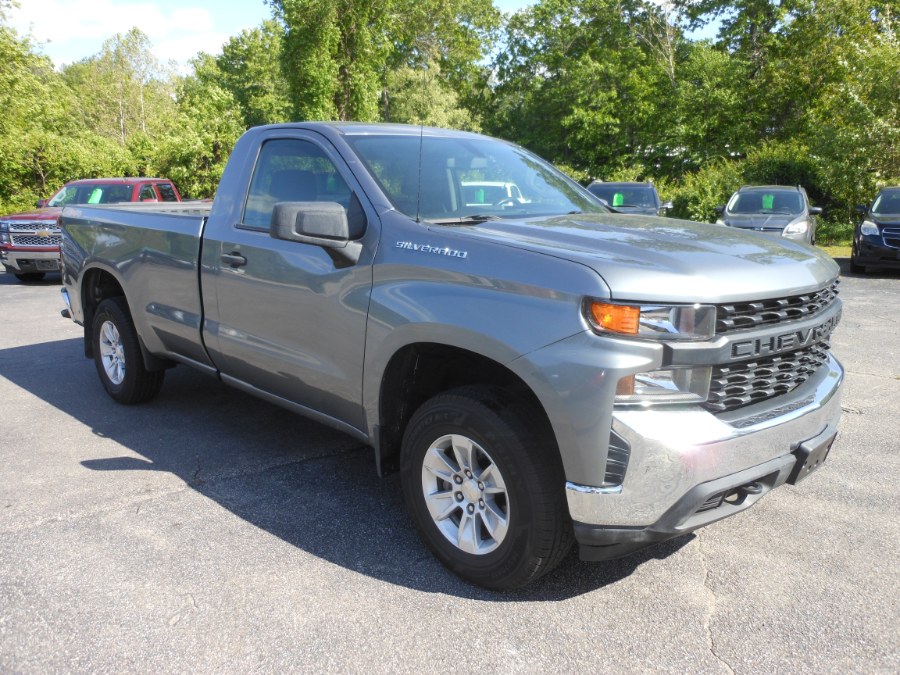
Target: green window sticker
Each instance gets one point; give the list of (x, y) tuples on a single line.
[(618, 199), (96, 194), (768, 201)]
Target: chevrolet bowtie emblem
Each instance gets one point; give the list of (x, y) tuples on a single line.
[(44, 233)]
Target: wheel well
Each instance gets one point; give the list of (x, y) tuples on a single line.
[(418, 372), (97, 286)]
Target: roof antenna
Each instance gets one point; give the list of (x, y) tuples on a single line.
[(421, 137)]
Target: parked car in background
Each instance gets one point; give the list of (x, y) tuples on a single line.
[(29, 241), (491, 193), (876, 240), (774, 210), (632, 198)]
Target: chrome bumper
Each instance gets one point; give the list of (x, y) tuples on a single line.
[(32, 261), (675, 451)]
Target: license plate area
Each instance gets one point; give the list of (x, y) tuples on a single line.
[(48, 265), (811, 455)]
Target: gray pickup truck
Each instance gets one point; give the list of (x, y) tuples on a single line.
[(541, 371)]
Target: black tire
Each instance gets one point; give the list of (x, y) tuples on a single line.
[(130, 382), (537, 533), (30, 276), (855, 267)]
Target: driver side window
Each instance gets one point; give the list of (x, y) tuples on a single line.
[(291, 170)]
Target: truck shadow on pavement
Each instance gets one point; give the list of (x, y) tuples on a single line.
[(302, 482), (871, 272)]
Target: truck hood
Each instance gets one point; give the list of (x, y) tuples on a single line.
[(654, 259), (50, 214)]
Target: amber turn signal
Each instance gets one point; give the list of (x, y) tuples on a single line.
[(623, 319), (625, 386)]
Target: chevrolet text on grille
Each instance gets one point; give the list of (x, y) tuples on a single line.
[(784, 342)]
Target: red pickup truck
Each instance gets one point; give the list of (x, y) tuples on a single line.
[(29, 242)]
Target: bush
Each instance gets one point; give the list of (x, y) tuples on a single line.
[(835, 231), (698, 194)]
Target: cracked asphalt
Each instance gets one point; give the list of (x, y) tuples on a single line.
[(211, 532)]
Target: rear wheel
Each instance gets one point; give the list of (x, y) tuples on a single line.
[(485, 488), (117, 355)]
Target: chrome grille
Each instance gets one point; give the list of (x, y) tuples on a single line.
[(33, 226), (747, 315), (739, 384), (35, 240), (891, 236)]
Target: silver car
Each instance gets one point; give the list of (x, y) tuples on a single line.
[(775, 210)]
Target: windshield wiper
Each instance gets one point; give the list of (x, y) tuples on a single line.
[(473, 219)]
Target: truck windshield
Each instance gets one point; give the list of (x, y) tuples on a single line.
[(94, 193), (462, 177)]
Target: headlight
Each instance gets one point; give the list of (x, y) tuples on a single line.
[(4, 233), (796, 228), (653, 322), (669, 385), (868, 228)]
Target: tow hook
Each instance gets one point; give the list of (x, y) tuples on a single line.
[(753, 488), (738, 495)]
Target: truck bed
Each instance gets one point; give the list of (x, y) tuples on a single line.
[(154, 248)]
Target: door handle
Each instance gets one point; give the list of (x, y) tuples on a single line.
[(234, 259)]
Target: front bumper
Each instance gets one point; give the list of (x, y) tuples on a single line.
[(877, 254), (680, 460), (25, 262)]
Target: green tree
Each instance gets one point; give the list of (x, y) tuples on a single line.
[(120, 90), (202, 135), (339, 54), (421, 96), (41, 144), (250, 68), (852, 122), (709, 117), (587, 83)]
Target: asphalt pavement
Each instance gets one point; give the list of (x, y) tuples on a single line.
[(208, 531)]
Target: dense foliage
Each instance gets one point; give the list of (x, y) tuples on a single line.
[(789, 91)]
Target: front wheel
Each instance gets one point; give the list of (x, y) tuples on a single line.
[(117, 355), (485, 487), (855, 267)]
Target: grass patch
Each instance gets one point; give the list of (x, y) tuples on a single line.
[(837, 250)]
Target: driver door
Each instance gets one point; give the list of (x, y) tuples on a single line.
[(287, 319)]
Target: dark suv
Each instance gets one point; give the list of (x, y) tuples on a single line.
[(876, 240), (775, 210), (633, 198)]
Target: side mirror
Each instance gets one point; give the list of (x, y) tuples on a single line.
[(719, 209), (41, 203), (318, 223), (815, 210), (664, 207), (861, 209)]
